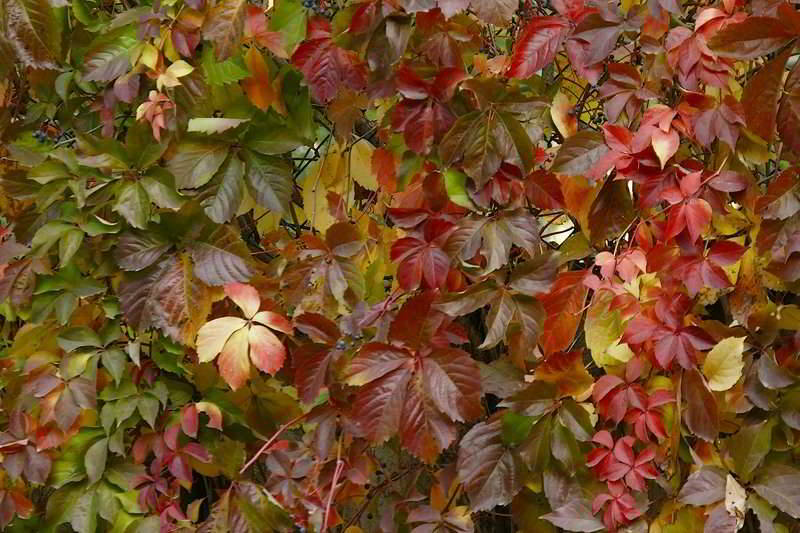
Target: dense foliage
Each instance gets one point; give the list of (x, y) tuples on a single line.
[(399, 266)]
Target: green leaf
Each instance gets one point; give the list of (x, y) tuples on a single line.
[(271, 135), (455, 183), (95, 460), (68, 467), (114, 361), (78, 337), (723, 365), (270, 180), (748, 447), (516, 428), (536, 451), (49, 171), (289, 18), (160, 187), (196, 161), (133, 204), (69, 245), (222, 72), (48, 235)]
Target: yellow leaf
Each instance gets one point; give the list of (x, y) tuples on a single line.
[(723, 365), (149, 56), (563, 116), (361, 165)]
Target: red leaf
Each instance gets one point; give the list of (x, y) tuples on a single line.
[(326, 66), (761, 95), (537, 46)]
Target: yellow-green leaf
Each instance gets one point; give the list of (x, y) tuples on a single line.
[(723, 365)]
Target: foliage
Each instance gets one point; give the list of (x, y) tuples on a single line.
[(399, 265)]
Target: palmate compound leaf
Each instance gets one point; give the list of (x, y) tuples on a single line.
[(166, 296), (511, 306), (493, 237), (238, 341), (416, 396)]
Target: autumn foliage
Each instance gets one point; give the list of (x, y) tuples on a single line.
[(393, 266)]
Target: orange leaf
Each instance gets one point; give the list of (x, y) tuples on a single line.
[(258, 87)]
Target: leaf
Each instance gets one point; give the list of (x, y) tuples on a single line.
[(702, 413), (270, 181), (95, 460), (289, 17), (138, 250), (788, 120), (748, 447), (78, 337), (751, 38), (230, 193), (761, 96), (456, 185), (166, 296), (326, 66), (258, 86), (579, 153), (537, 46), (723, 365), (704, 486), (222, 258), (133, 203), (493, 237), (196, 161), (238, 342), (218, 73), (419, 403), (492, 474), (34, 32), (563, 305), (516, 428), (498, 12), (224, 26), (566, 371), (575, 515), (108, 57), (780, 485), (214, 125)]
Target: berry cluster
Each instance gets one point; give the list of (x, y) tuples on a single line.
[(320, 8)]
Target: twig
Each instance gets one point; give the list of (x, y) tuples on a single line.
[(336, 473), (272, 439)]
